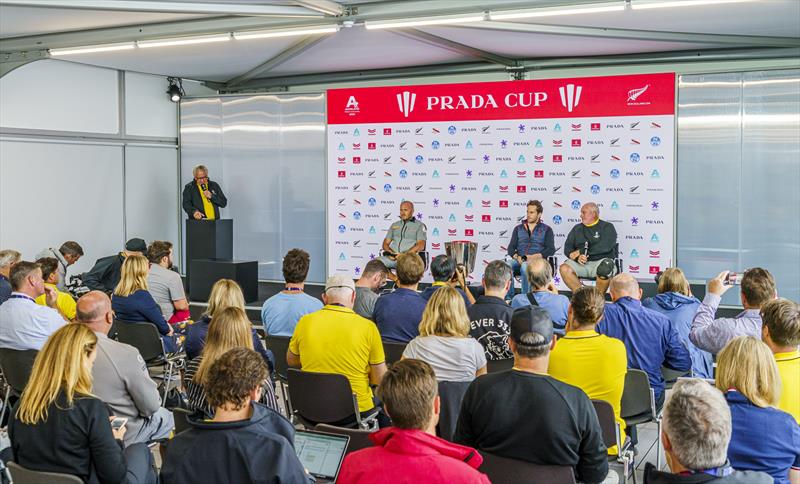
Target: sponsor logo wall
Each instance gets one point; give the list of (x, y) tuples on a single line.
[(470, 156)]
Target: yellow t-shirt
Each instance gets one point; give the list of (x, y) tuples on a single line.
[(789, 369), (337, 340), (594, 363), (207, 207), (64, 302)]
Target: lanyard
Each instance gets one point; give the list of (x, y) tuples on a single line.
[(21, 296), (292, 289), (722, 471)]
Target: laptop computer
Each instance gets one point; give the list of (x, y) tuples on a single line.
[(321, 453)]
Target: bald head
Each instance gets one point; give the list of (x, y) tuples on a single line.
[(406, 210), (624, 285), (539, 273), (94, 310)]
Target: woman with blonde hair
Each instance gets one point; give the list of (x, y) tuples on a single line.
[(444, 341), (675, 301), (229, 329), (763, 438), (225, 293), (59, 426), (133, 303)]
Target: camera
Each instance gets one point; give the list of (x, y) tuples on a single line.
[(733, 279)]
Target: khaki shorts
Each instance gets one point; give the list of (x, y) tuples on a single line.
[(587, 271)]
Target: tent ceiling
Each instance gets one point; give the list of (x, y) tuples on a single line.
[(771, 24)]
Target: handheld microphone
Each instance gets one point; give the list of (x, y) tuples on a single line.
[(204, 187), (586, 248)]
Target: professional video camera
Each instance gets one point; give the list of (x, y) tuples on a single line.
[(76, 287)]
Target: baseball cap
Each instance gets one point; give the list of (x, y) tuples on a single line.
[(605, 268), (531, 319), (340, 280), (136, 245)]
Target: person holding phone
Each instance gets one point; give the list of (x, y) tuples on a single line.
[(446, 272), (202, 198)]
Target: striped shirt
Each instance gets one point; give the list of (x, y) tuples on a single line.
[(197, 394)]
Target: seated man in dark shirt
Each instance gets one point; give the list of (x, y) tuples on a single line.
[(398, 313), (105, 274), (245, 441), (590, 249), (527, 415), (445, 273), (490, 315)]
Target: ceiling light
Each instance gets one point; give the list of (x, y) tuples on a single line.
[(146, 44), (556, 11), (421, 22), (175, 89), (266, 34), (91, 48), (643, 5)]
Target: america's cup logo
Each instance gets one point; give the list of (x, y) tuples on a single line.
[(570, 96), (405, 102)]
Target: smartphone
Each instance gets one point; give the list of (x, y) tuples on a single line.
[(118, 422), (732, 279)]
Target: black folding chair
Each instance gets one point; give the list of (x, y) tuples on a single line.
[(671, 376), (451, 393), (639, 405), (502, 470), (144, 336), (359, 438), (325, 398), (612, 436), (16, 366), (181, 416), (393, 351), (279, 346), (494, 366), (21, 475)]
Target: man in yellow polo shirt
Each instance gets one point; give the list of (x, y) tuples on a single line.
[(588, 360), (781, 332), (64, 302), (337, 340)]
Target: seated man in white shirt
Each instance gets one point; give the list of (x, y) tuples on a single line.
[(25, 325)]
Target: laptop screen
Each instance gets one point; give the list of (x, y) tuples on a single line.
[(320, 453)]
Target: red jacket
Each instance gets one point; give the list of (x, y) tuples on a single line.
[(412, 456)]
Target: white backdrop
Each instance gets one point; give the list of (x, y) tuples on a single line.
[(471, 179)]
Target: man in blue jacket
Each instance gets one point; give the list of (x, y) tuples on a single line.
[(531, 239), (245, 441)]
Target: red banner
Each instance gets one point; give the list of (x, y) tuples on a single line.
[(645, 94)]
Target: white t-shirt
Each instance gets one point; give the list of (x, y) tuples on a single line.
[(452, 358)]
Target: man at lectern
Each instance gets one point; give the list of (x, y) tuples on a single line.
[(202, 198), (406, 235)]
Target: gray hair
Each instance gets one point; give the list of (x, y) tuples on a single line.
[(339, 294), (199, 168), (697, 422), (9, 257), (593, 206), (539, 273), (496, 274)]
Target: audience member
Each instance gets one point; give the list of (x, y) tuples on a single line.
[(650, 339), (372, 278), (528, 415), (781, 333), (105, 274), (695, 432), (59, 426), (24, 325), (165, 284), (132, 302), (590, 361), (121, 379), (409, 451), (398, 313), (229, 329), (225, 293), (758, 287), (64, 302), (763, 438), (244, 441), (66, 255), (282, 311), (444, 341), (446, 273), (490, 315), (675, 301), (337, 340), (8, 258), (543, 293)]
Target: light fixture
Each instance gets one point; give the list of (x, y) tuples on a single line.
[(266, 34), (88, 49), (423, 21), (205, 39), (645, 5), (175, 90), (556, 11)]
